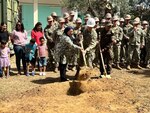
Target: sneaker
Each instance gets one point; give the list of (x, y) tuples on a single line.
[(33, 73), (44, 73), (41, 74), (108, 76), (27, 74), (128, 67), (102, 76)]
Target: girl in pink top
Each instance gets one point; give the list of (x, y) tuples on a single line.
[(42, 55), (37, 32), (4, 58)]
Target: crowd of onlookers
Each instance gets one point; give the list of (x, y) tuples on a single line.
[(121, 44)]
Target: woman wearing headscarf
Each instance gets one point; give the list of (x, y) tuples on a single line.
[(63, 51)]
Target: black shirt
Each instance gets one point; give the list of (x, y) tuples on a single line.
[(106, 39), (4, 35)]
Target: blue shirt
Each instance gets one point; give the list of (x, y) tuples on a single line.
[(30, 51)]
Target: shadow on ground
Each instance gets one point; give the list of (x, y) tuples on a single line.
[(145, 72)]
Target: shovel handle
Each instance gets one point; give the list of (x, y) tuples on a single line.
[(83, 55)]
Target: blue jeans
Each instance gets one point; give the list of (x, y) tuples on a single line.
[(20, 55), (42, 61)]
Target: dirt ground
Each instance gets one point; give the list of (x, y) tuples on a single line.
[(126, 92)]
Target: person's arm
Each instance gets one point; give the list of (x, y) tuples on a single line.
[(93, 42), (70, 44), (33, 34), (47, 35)]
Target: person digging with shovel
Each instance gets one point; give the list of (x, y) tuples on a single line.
[(106, 55)]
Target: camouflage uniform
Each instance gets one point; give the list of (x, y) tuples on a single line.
[(48, 31), (62, 54), (125, 42), (89, 43), (118, 35), (135, 41), (147, 45)]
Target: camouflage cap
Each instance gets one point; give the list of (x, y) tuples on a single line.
[(96, 19), (87, 16), (49, 18), (53, 14), (108, 15), (78, 20), (145, 22), (72, 13), (121, 19), (61, 20), (115, 18), (136, 21), (66, 15), (128, 17)]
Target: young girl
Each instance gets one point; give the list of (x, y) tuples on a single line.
[(42, 55), (4, 58)]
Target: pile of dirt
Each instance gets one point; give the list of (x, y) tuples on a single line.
[(96, 96)]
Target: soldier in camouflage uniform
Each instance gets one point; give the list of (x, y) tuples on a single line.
[(64, 50), (55, 22), (90, 41), (146, 30), (125, 41), (71, 21), (48, 32), (108, 17), (56, 36), (136, 41), (97, 28), (86, 17), (77, 38), (66, 17), (118, 34)]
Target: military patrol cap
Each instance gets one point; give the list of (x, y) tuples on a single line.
[(108, 15), (121, 19), (96, 19), (127, 17), (61, 20), (145, 22), (49, 18), (72, 13), (78, 20), (108, 23), (115, 18), (66, 15), (54, 14), (136, 21), (87, 16)]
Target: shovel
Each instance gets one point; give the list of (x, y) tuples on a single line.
[(84, 72), (102, 60)]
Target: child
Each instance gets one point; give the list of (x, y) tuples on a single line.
[(4, 59), (30, 50), (42, 55)]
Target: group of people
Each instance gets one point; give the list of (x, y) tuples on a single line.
[(66, 43)]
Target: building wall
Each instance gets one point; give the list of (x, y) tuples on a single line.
[(44, 10)]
